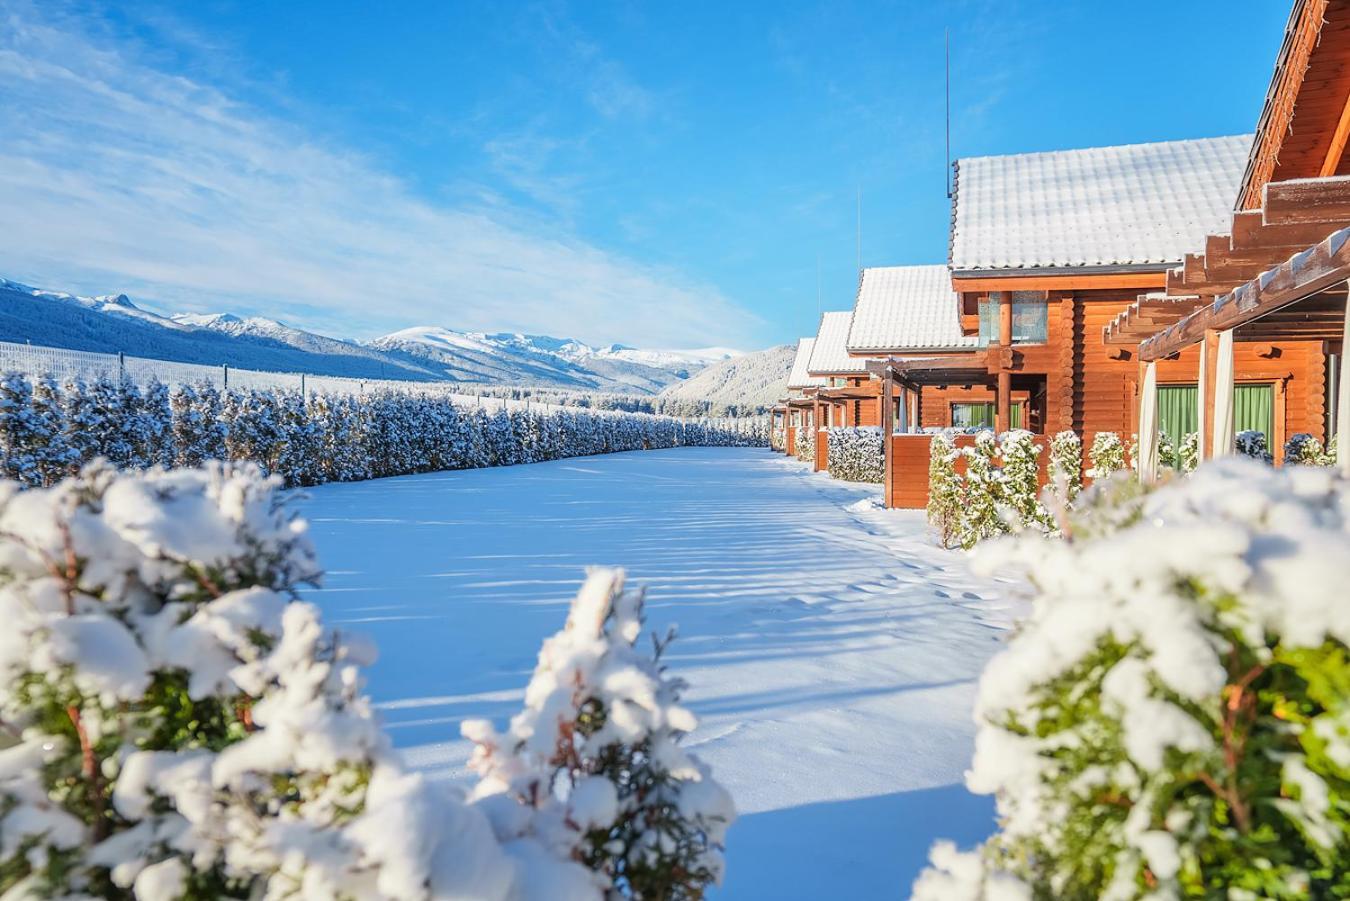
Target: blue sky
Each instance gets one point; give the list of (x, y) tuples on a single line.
[(659, 174)]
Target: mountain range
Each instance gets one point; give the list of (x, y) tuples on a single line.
[(113, 324)]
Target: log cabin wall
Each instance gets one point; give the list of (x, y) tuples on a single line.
[(1106, 399), (1092, 387)]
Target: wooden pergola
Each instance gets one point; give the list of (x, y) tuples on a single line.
[(1304, 296), (1294, 216)]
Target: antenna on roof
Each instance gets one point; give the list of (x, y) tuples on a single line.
[(947, 67)]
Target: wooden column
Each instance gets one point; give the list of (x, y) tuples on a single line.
[(887, 427), (1343, 399), (1003, 405), (1208, 361), (1147, 464)]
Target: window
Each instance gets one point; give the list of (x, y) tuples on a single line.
[(1254, 410), (966, 416), (838, 381), (1179, 415), (1030, 319)]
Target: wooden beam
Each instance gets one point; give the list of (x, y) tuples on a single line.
[(1085, 281), (1307, 200), (1332, 161), (1320, 267)]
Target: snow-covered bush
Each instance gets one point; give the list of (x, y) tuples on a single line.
[(1107, 455), (1065, 474), (983, 492), (946, 501), (1019, 483), (856, 453), (1174, 719), (176, 723), (592, 767), (1188, 453), (806, 443), (1252, 443), (1305, 450)]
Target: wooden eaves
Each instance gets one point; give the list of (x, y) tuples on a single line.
[(1324, 267), (1294, 215)]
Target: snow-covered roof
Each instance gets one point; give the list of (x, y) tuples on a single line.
[(799, 377), (830, 355), (1139, 205), (906, 308)]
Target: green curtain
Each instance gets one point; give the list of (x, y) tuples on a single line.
[(1177, 410), (1254, 409), (1015, 417), (973, 415)]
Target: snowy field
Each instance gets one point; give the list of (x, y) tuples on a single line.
[(832, 652)]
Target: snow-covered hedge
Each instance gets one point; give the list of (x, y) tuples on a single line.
[(48, 432), (806, 443), (1174, 719), (177, 724), (856, 453)]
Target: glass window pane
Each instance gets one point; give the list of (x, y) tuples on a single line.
[(965, 416), (1030, 319), (1254, 409), (989, 319), (1178, 415)]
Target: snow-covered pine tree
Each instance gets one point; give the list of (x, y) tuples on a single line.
[(1107, 456), (1188, 452), (946, 501), (1019, 482), (1066, 466), (594, 759), (82, 420), (57, 458), (23, 433), (157, 425), (983, 492), (132, 428)]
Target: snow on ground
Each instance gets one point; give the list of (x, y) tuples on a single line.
[(832, 651)]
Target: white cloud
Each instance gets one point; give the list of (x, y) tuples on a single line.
[(115, 175)]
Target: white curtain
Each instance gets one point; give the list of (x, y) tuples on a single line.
[(1343, 400), (1202, 383), (1148, 426), (1224, 441), (902, 420)]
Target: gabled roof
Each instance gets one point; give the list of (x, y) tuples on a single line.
[(799, 378), (830, 355), (1304, 103), (1138, 206), (906, 308)]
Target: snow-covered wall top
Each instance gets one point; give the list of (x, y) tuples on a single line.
[(1138, 204), (906, 308), (799, 377), (830, 354)]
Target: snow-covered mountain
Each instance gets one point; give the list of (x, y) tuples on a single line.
[(756, 379), (112, 324), (517, 359)]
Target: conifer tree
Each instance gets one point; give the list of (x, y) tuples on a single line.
[(57, 458), (23, 433)]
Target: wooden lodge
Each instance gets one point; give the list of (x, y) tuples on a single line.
[(799, 406), (1274, 280), (1193, 286), (847, 396)]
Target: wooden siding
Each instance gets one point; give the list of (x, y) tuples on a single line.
[(907, 482)]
